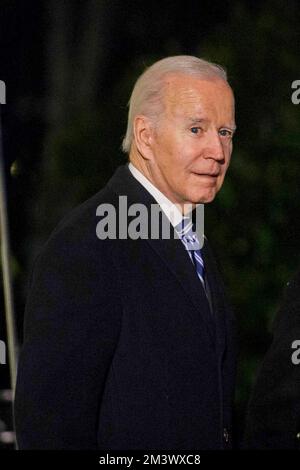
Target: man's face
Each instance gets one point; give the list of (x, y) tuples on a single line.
[(192, 142)]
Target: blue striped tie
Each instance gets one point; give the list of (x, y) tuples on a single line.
[(190, 240)]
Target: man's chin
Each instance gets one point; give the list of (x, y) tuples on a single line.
[(204, 198)]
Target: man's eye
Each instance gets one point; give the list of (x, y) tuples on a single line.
[(195, 130), (226, 133)]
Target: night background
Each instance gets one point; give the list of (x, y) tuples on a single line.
[(69, 68)]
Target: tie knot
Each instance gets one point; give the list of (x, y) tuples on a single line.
[(186, 231)]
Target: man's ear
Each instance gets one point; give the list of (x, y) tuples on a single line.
[(143, 135)]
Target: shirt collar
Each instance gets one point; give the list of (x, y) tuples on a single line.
[(170, 209)]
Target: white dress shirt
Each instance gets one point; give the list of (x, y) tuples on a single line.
[(172, 212)]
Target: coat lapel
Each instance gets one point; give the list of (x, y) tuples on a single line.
[(217, 296), (174, 254)]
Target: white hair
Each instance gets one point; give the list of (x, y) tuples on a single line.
[(147, 94)]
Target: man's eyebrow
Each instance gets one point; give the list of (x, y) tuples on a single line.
[(195, 120)]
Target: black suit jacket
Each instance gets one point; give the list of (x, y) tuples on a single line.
[(120, 349), (273, 418)]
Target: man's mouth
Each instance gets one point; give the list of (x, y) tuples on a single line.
[(212, 175)]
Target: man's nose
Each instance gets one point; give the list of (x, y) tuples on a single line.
[(214, 147)]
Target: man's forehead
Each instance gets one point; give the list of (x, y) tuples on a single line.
[(178, 83), (186, 91)]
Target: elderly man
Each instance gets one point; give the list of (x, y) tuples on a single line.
[(129, 340)]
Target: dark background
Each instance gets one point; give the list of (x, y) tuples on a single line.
[(69, 67)]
